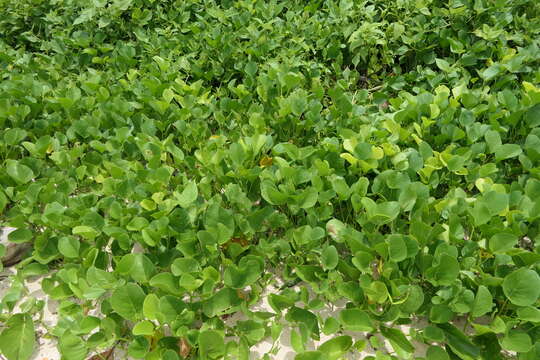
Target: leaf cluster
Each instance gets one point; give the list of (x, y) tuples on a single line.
[(168, 160)]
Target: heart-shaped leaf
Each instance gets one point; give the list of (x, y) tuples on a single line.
[(18, 338), (522, 287)]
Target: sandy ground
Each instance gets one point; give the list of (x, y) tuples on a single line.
[(46, 345)]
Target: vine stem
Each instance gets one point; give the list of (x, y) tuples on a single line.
[(375, 88)]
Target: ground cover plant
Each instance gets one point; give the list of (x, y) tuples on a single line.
[(384, 153)]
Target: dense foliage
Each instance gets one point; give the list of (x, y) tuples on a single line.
[(385, 153)]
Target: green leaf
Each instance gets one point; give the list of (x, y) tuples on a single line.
[(446, 272), (298, 100), (309, 273), (331, 326), (138, 266), (459, 342), (334, 348), (341, 187), (529, 313), (433, 333), (532, 116), (517, 341), (491, 72), (100, 277), (188, 195), (310, 355), (329, 257), (18, 339), (148, 204), (443, 65), (493, 140), (128, 301), (495, 201), (72, 347), (271, 194), (171, 307), (440, 314), (355, 320), (3, 201), (189, 282), (436, 353), (211, 345), (522, 287), (280, 302), (307, 199), (14, 136), (69, 246), (254, 331), (139, 347), (19, 172), (483, 302), (397, 249), (297, 342), (306, 317), (137, 224), (85, 232), (397, 339), (238, 277), (144, 327), (377, 292), (167, 282), (184, 265), (481, 213), (20, 236), (502, 242), (414, 300), (507, 151), (151, 307), (221, 302), (382, 213)]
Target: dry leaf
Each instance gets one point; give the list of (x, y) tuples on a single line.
[(266, 161), (106, 355), (242, 294), (242, 241), (185, 348)]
